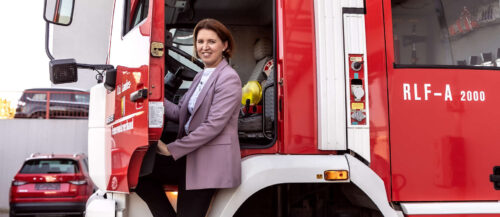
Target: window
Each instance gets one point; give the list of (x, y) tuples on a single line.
[(461, 33), (50, 166), (135, 12), (85, 165), (183, 39), (60, 97), (37, 96), (82, 98)]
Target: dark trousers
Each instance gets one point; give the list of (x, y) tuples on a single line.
[(190, 203)]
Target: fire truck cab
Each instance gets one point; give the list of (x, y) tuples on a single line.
[(349, 107)]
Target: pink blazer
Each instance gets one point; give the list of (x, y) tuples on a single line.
[(212, 147)]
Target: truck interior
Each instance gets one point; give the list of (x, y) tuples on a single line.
[(251, 23)]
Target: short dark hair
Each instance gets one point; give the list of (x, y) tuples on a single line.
[(221, 31)]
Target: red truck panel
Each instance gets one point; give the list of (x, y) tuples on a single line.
[(377, 88), (443, 145)]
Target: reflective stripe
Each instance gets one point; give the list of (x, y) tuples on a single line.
[(451, 208)]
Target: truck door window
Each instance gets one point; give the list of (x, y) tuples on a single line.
[(454, 33), (135, 12)]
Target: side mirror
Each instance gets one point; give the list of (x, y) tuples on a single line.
[(59, 12), (63, 71), (110, 81)]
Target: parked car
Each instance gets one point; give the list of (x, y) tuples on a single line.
[(62, 103), (51, 184)]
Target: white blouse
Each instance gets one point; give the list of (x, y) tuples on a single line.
[(192, 101)]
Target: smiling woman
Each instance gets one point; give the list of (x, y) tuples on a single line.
[(252, 25), (206, 154), (208, 48), (211, 39)]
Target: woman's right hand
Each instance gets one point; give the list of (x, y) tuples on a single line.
[(162, 149)]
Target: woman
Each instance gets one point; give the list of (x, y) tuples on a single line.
[(206, 154)]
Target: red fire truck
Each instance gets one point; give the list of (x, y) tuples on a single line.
[(369, 108)]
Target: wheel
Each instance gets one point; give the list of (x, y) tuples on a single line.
[(38, 116), (12, 214)]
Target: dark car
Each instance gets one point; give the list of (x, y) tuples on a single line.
[(62, 103), (51, 184)]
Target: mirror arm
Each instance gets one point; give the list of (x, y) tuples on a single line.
[(94, 66), (47, 42)]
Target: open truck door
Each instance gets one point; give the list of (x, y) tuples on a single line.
[(121, 126), (134, 109)]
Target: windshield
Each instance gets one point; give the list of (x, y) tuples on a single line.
[(183, 36), (183, 39)]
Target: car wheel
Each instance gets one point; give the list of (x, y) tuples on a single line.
[(12, 214), (38, 116)]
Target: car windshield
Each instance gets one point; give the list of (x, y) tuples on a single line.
[(55, 166)]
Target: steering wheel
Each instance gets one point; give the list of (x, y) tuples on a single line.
[(180, 71), (174, 65)]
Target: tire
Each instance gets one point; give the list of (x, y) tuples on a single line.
[(12, 214), (38, 116)]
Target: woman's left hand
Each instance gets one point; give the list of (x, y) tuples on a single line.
[(162, 149)]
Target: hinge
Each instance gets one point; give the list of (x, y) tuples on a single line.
[(157, 49), (280, 102), (180, 4)]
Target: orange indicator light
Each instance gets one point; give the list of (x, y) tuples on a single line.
[(335, 175)]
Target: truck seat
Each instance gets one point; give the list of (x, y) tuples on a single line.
[(250, 122)]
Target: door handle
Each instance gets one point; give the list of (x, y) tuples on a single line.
[(139, 95), (495, 177)]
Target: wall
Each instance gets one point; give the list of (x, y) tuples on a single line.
[(19, 138)]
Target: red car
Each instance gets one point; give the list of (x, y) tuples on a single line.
[(51, 184)]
